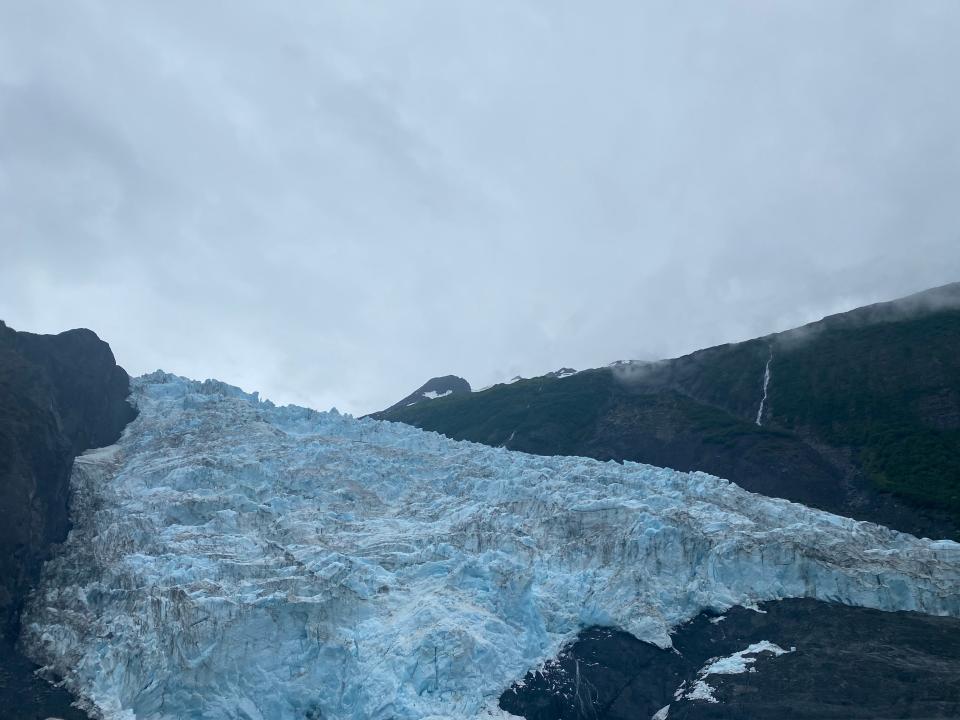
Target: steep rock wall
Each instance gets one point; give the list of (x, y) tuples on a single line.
[(59, 395)]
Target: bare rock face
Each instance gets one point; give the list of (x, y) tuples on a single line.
[(59, 395)]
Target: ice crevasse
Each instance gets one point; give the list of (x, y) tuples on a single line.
[(234, 559)]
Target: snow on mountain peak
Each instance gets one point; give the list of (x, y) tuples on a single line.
[(230, 558), (433, 394)]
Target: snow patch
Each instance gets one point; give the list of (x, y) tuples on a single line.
[(739, 662), (433, 394)]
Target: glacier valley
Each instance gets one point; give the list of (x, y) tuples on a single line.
[(234, 559)]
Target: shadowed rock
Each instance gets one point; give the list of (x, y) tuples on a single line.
[(840, 663), (59, 395)]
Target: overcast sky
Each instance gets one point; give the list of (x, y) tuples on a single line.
[(332, 202)]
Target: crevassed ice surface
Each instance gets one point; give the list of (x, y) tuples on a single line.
[(232, 559)]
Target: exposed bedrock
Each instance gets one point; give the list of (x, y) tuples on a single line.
[(838, 663), (59, 395)]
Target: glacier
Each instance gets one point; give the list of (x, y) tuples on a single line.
[(234, 559)]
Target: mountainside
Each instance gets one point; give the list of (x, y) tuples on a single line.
[(234, 559), (858, 414), (59, 395)]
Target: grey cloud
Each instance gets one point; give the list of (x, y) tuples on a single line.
[(332, 202)]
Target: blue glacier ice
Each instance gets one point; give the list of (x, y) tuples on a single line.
[(234, 559)]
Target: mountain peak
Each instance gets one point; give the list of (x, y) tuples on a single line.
[(432, 389)]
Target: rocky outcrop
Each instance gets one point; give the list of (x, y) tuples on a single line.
[(59, 395), (837, 663)]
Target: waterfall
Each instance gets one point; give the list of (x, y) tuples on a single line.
[(766, 384)]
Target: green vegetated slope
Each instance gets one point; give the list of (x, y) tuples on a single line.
[(862, 415), (891, 391)]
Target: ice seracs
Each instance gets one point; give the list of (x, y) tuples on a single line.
[(232, 559)]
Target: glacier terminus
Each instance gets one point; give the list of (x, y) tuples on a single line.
[(234, 559)]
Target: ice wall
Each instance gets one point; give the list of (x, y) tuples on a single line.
[(232, 559)]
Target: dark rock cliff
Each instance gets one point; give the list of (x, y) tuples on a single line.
[(842, 663), (59, 395)]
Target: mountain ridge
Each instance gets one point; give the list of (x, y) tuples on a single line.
[(861, 418)]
